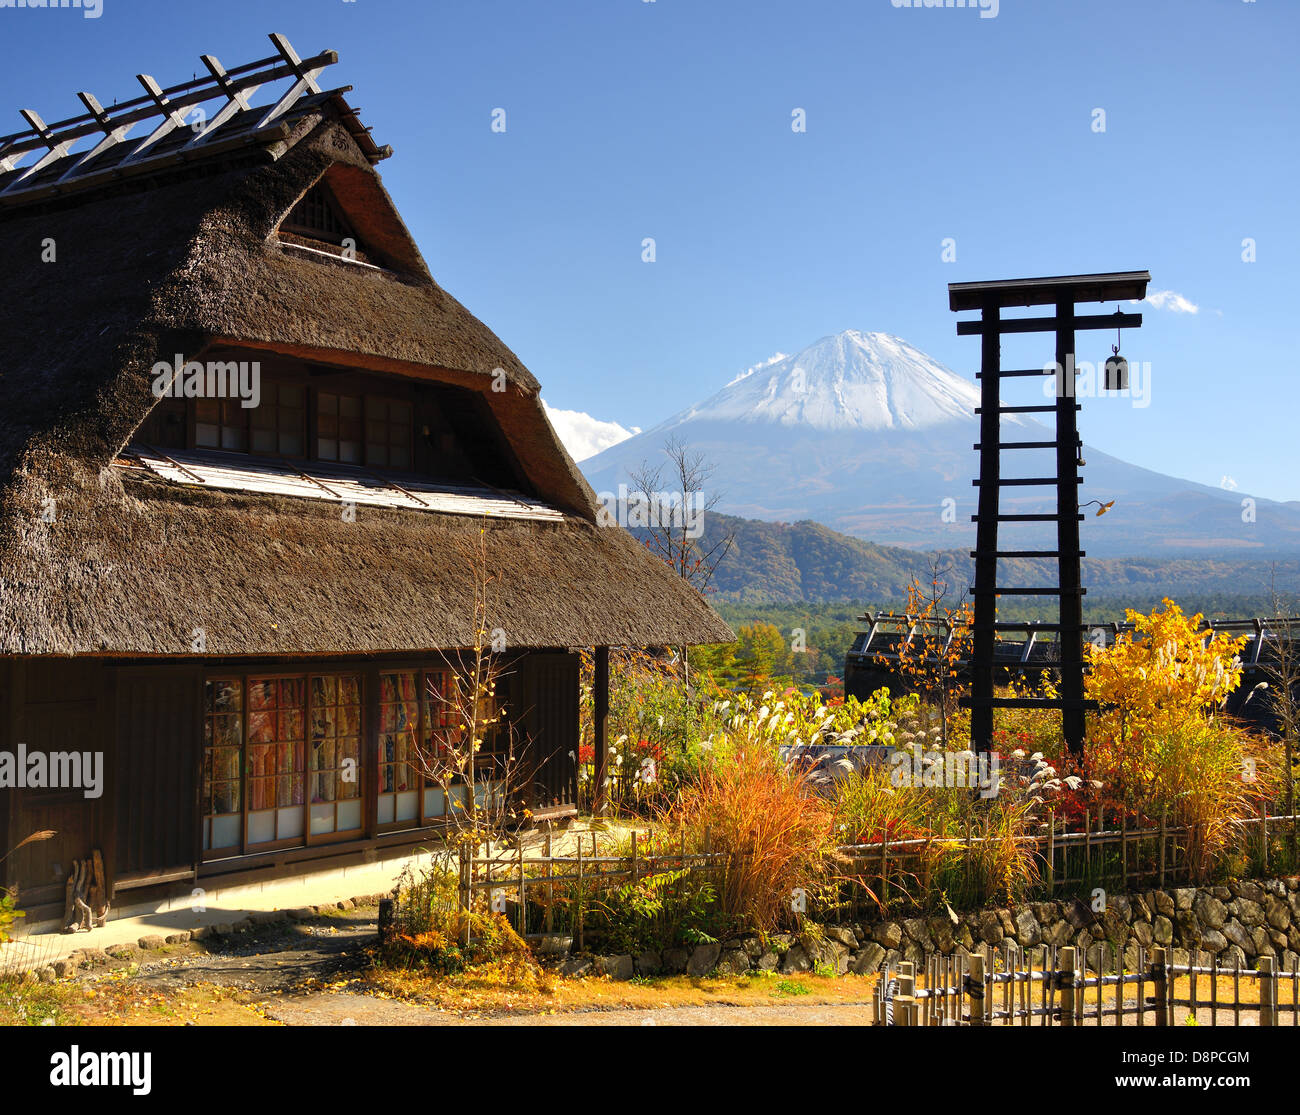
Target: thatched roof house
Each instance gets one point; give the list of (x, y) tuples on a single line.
[(164, 560)]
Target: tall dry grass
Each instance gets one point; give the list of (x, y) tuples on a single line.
[(776, 836)]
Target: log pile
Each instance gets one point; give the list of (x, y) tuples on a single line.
[(86, 900)]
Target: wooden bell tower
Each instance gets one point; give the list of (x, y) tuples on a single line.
[(1064, 294)]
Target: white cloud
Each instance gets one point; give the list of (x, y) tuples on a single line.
[(1228, 484), (1172, 301), (584, 436), (775, 358)]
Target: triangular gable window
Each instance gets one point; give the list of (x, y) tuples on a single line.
[(318, 218)]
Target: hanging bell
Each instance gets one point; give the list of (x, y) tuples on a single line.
[(1116, 374)]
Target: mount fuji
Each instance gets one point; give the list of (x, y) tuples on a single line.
[(865, 433)]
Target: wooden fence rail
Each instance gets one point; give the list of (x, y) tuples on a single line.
[(1048, 986)]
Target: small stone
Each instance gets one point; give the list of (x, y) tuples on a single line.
[(1277, 913), (649, 963), (1210, 911), (1184, 898), (223, 929), (1162, 929), (703, 960), (1249, 912), (1213, 941), (178, 938), (990, 928), (796, 960), (1143, 934), (844, 936), (346, 904), (917, 930), (1028, 932), (675, 960), (889, 934), (301, 913), (200, 933), (733, 962), (64, 969), (576, 967), (867, 960), (770, 962), (753, 948), (153, 941), (616, 967), (1238, 935)]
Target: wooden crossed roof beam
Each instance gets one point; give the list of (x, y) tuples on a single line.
[(168, 107)]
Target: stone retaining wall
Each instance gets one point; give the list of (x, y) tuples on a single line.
[(1235, 923)]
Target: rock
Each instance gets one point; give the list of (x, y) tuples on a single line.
[(753, 948), (1210, 912), (734, 962), (302, 913), (92, 958), (1141, 911), (649, 963), (1247, 889), (965, 940), (990, 928), (1189, 928), (1143, 934), (1008, 926), (1162, 903), (576, 967), (913, 952), (273, 917), (1263, 946), (554, 946), (703, 960), (243, 926), (1279, 941), (1233, 957), (1183, 898), (1162, 929), (889, 934), (64, 969), (223, 929), (675, 960), (1131, 955), (1237, 935), (124, 952), (1046, 912), (1290, 960), (844, 936), (917, 930), (1079, 914), (178, 938), (1213, 941), (1249, 912), (1028, 932), (1277, 913), (796, 960), (867, 960), (152, 941), (941, 932), (771, 961), (1121, 905), (615, 967), (200, 933), (826, 951), (1058, 933), (45, 974), (345, 904), (1223, 894)]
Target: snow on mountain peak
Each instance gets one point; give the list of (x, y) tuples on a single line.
[(852, 380)]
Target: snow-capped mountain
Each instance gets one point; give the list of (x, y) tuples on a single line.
[(867, 434), (851, 381)]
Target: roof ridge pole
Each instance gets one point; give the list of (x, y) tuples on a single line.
[(113, 135), (305, 83), (986, 530), (237, 99), (170, 122), (1069, 571), (57, 148)]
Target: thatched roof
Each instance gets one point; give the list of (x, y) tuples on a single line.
[(188, 258)]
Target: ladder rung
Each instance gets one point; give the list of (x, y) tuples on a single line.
[(1027, 481), (1011, 625), (1025, 444), (1027, 518), (1016, 373), (1030, 592), (1027, 410), (1028, 553)]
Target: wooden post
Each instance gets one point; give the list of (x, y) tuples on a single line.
[(523, 895), (550, 887), (578, 904), (634, 857), (905, 1001), (986, 531), (1070, 637), (975, 988), (1068, 977), (1263, 831), (1160, 986), (1163, 841), (1267, 992), (600, 727), (1051, 851)]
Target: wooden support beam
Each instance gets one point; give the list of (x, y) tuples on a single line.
[(1070, 575), (600, 724), (1054, 324), (986, 541)]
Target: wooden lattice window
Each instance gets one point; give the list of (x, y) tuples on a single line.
[(317, 217)]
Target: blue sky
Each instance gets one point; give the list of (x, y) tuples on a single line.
[(671, 119)]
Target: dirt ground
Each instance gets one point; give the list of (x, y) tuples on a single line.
[(319, 972)]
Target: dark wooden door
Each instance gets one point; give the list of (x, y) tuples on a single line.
[(550, 722)]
